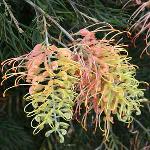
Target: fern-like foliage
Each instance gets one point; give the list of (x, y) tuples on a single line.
[(14, 137)]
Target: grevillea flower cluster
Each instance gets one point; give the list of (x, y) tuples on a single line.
[(107, 85), (96, 77), (51, 74)]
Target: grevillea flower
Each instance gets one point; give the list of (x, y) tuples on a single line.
[(97, 77), (142, 24), (51, 74), (107, 83)]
